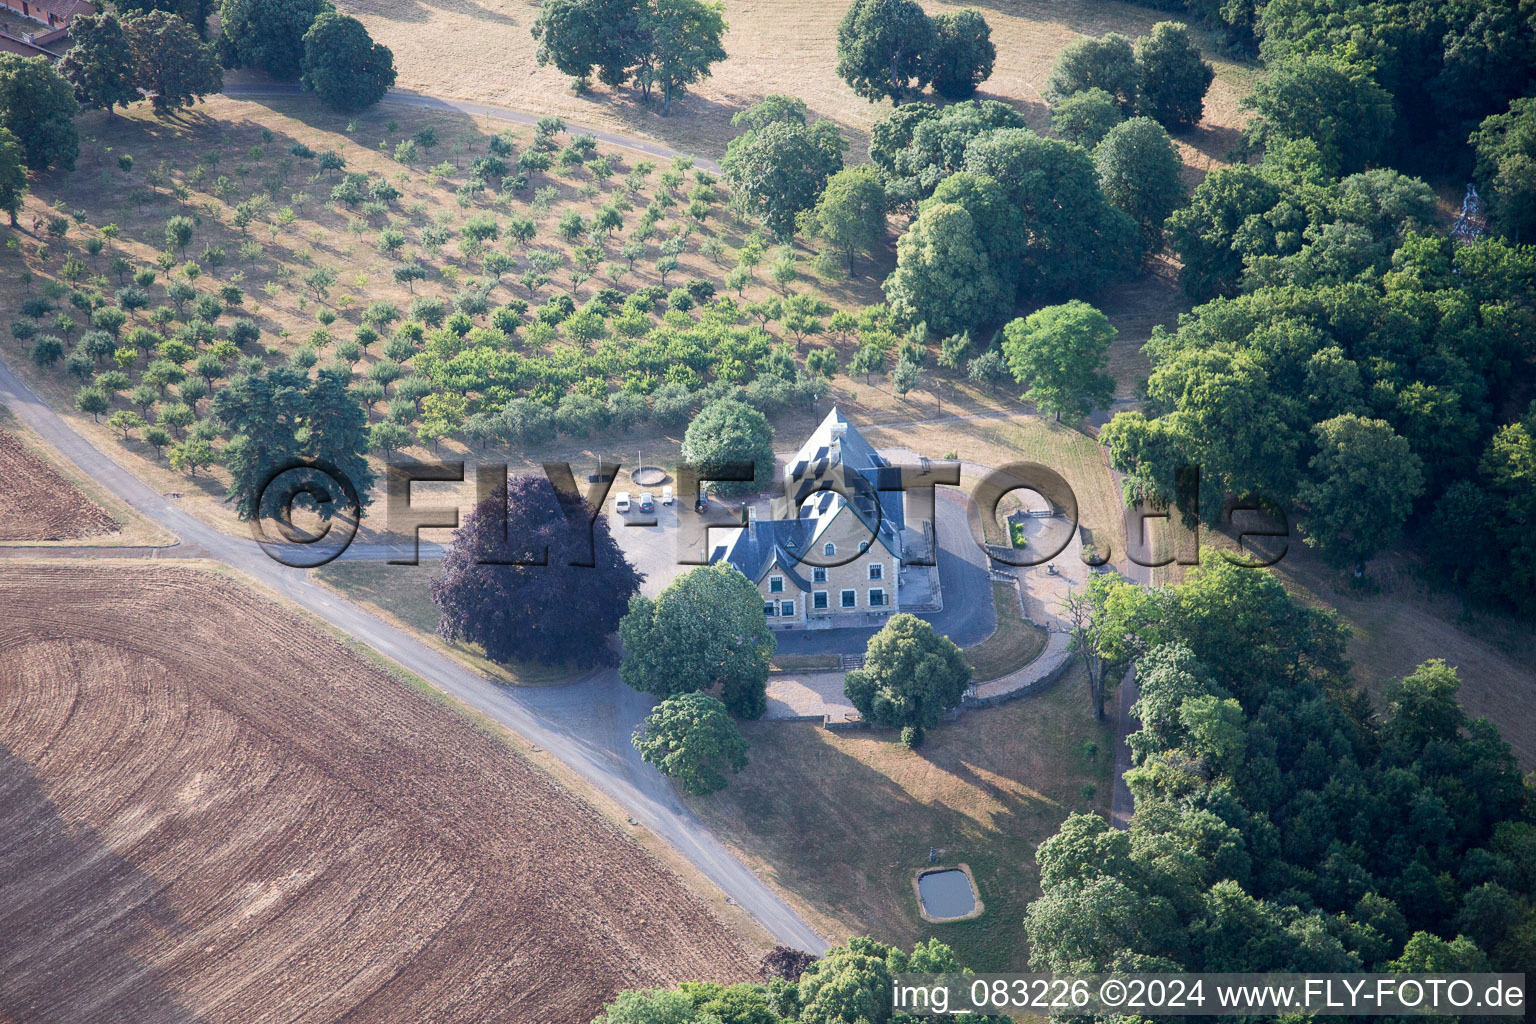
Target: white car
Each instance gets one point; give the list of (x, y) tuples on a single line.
[(666, 495), (621, 502)]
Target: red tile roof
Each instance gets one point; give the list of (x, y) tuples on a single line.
[(64, 9)]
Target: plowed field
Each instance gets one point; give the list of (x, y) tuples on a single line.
[(38, 504), (211, 811)]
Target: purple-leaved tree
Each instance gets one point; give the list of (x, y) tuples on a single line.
[(553, 613)]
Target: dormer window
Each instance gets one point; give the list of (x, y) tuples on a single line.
[(775, 584)]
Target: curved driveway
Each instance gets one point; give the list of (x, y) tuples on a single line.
[(586, 724)]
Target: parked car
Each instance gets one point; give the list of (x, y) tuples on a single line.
[(647, 502), (666, 495), (621, 502)]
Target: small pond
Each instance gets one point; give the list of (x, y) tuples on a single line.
[(946, 893)]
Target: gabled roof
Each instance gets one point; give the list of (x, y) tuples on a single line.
[(58, 8), (10, 44), (835, 453)]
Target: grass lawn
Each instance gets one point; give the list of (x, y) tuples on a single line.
[(401, 594), (1015, 643), (841, 820)]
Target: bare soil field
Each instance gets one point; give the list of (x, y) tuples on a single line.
[(482, 50), (37, 503), (236, 819)]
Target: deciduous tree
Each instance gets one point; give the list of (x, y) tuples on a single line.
[(880, 47), (1506, 165), (38, 107), (684, 41), (727, 432), (1139, 173), (267, 34), (100, 64), (911, 676), (1174, 77), (706, 630), (1086, 117), (577, 36), (1059, 355), (691, 738), (961, 55), (533, 576), (1361, 487), (174, 67), (851, 212), (779, 169), (343, 65), (1328, 100), (13, 175), (1108, 63), (943, 275)]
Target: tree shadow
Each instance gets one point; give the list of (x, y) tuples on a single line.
[(79, 918), (418, 10)]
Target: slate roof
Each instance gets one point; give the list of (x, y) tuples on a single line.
[(835, 452), (836, 448)]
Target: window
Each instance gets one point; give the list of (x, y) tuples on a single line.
[(850, 598), (769, 609), (818, 575), (829, 549), (877, 598), (819, 600), (876, 571), (775, 584), (863, 546), (787, 609)]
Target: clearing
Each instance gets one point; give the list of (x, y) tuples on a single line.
[(238, 819)]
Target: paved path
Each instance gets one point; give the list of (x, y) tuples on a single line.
[(586, 724), (408, 99)]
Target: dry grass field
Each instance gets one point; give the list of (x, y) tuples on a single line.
[(269, 259), (482, 50), (841, 820), (213, 811), (1399, 622)]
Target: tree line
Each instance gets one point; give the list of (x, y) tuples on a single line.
[(132, 53), (1285, 820)]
